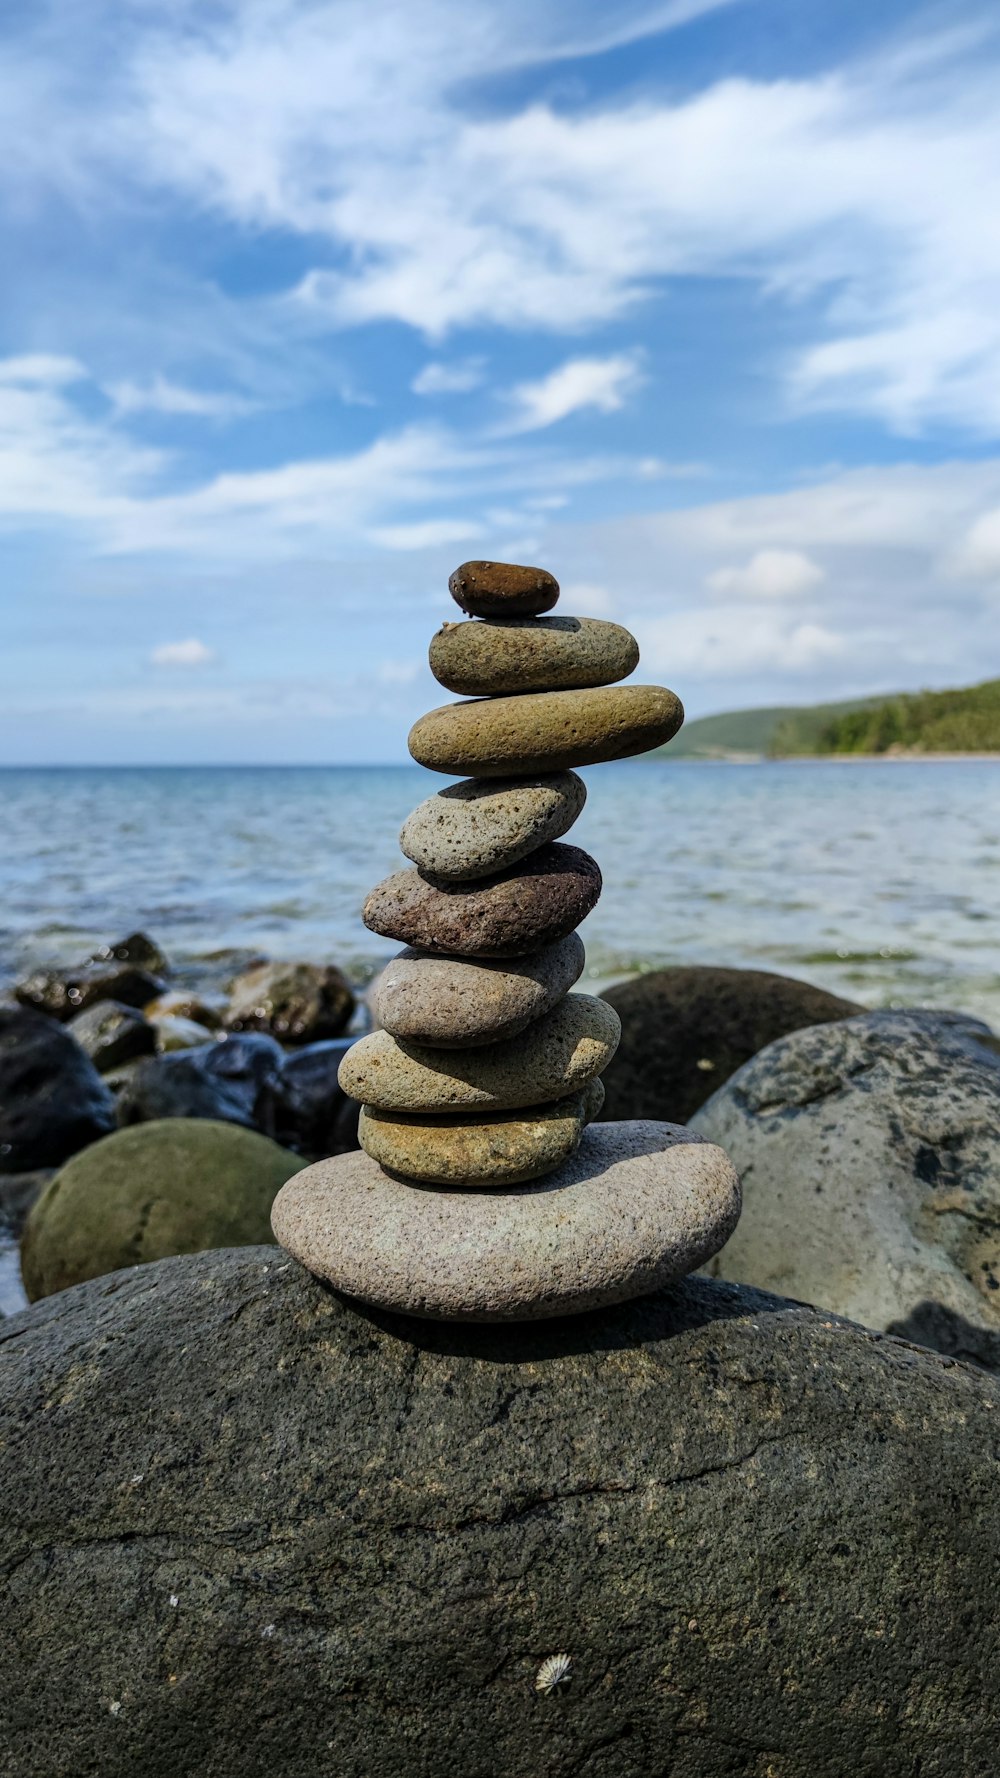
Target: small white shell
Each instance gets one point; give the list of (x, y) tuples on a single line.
[(554, 1670)]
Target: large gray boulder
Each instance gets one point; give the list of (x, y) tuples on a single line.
[(686, 1030), (870, 1157), (251, 1530)]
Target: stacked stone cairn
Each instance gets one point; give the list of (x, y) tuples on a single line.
[(484, 1190)]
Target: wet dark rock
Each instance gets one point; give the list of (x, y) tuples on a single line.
[(111, 1034), (232, 1082), (298, 1538), (310, 1113), (61, 993), (18, 1191), (52, 1099), (685, 1031), (137, 948), (294, 1002)]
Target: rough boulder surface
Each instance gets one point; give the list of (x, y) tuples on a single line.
[(870, 1156), (686, 1030), (293, 1538)]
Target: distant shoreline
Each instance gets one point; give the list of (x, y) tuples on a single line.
[(826, 759)]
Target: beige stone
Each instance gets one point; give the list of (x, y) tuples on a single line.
[(480, 827), (638, 1206), (545, 731), (501, 1148), (485, 659), (459, 1003), (553, 1058)]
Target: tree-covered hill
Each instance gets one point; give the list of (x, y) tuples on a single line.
[(962, 721)]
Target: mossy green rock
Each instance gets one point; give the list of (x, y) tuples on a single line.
[(545, 731), (177, 1186)]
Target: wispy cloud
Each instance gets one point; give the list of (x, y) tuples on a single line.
[(601, 383), (456, 378), (161, 396), (191, 653), (769, 574)]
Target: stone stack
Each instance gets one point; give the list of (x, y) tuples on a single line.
[(480, 1192)]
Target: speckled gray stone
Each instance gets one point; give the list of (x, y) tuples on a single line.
[(638, 1205), (554, 1057), (480, 827), (545, 731), (871, 1153), (461, 1003), (498, 1148), (485, 659)]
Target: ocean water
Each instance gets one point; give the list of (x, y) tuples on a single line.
[(880, 880)]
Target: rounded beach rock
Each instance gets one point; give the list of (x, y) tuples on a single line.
[(159, 1188), (545, 731), (501, 1149), (552, 1059), (475, 829), (527, 907), (871, 1154), (484, 659), (502, 589), (686, 1030), (458, 1002), (751, 1527), (637, 1206)]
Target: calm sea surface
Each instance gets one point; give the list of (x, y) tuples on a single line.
[(880, 880)]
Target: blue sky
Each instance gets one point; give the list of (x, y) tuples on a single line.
[(306, 301)]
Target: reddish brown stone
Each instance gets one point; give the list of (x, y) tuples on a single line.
[(502, 589), (532, 904)]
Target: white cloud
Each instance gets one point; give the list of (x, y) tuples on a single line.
[(456, 378), (601, 383), (863, 189), (399, 672), (584, 598), (425, 533), (723, 644), (191, 653), (160, 396), (770, 574)]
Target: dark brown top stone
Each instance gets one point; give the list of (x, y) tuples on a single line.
[(502, 589), (534, 903)]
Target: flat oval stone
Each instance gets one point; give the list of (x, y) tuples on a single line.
[(504, 1148), (545, 731), (484, 659), (638, 1206), (554, 1058), (475, 829), (502, 589), (531, 905), (459, 1003)]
